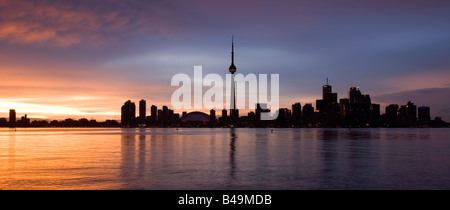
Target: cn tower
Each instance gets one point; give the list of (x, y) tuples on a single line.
[(232, 69)]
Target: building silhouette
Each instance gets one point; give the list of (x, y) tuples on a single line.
[(407, 115), (261, 108), (308, 115), (284, 118), (128, 114), (224, 118), (359, 108), (391, 115), (142, 112), (327, 107), (296, 114), (212, 117), (154, 115), (234, 113), (3, 122), (424, 114), (12, 117), (23, 122), (375, 115)]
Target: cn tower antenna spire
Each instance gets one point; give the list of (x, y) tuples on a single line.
[(232, 49), (232, 68)]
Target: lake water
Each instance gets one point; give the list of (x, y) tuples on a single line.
[(223, 158)]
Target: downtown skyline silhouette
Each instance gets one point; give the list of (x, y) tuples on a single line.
[(56, 66), (356, 111)]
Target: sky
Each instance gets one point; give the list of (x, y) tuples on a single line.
[(61, 59)]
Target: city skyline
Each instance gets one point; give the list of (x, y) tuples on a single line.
[(84, 59), (356, 110)]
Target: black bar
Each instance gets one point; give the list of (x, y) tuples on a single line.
[(243, 199)]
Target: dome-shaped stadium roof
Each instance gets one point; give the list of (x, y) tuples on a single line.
[(195, 117)]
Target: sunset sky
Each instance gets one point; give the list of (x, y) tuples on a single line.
[(61, 59)]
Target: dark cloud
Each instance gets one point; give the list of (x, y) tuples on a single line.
[(66, 23)]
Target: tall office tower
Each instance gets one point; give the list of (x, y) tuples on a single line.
[(165, 117), (128, 115), (283, 119), (142, 110), (327, 96), (328, 107), (411, 114), (212, 117), (375, 120), (224, 118), (12, 117), (391, 117), (359, 108), (307, 113), (154, 115), (260, 108), (296, 114)]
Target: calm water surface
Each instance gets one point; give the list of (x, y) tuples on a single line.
[(158, 158)]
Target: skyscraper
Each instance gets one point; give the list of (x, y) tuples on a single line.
[(128, 115), (142, 108), (12, 117), (296, 114), (375, 120), (359, 108), (411, 114), (391, 116), (212, 117), (327, 93), (165, 115), (224, 118), (284, 116), (154, 115), (260, 108), (307, 114), (142, 111), (328, 107)]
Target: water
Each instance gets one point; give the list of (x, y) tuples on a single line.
[(202, 158)]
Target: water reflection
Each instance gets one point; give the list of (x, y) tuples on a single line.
[(233, 138), (262, 157), (128, 139), (255, 159), (142, 153), (12, 150)]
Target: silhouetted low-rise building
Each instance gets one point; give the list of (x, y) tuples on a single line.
[(23, 122)]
